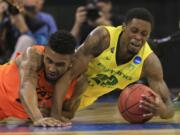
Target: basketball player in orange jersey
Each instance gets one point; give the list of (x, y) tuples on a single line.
[(28, 82), (115, 57)]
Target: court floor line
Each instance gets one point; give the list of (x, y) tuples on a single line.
[(123, 132)]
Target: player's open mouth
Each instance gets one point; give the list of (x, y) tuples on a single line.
[(135, 44), (52, 76)]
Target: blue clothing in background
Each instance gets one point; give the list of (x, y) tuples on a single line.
[(49, 20)]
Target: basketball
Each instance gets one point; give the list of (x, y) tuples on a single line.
[(128, 103)]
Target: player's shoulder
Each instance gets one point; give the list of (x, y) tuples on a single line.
[(152, 65), (96, 42), (99, 32), (31, 56), (101, 35), (102, 30), (152, 59)]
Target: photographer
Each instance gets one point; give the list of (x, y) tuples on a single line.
[(41, 25), (93, 14), (8, 32), (19, 28)]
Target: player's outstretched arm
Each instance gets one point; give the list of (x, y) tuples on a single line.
[(28, 79), (71, 105), (162, 105)]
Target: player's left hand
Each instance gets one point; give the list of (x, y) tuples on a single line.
[(154, 105)]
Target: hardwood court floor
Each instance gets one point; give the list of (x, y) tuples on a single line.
[(101, 119)]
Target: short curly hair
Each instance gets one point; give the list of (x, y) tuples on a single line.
[(139, 13), (62, 42)]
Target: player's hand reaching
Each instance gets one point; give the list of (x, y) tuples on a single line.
[(50, 122), (154, 105)]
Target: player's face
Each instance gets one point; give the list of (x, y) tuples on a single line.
[(55, 64), (136, 34)]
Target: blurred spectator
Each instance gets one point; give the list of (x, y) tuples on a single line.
[(93, 14), (8, 33), (41, 26), (38, 27), (33, 9), (19, 4), (47, 18)]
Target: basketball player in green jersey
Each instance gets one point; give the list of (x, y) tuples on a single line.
[(114, 58)]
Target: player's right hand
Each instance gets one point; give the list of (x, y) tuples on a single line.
[(50, 122)]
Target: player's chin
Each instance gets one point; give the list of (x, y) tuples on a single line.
[(132, 52)]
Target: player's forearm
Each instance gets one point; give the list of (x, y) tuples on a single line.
[(70, 107), (58, 96), (56, 110), (68, 114), (57, 104), (167, 111), (29, 100)]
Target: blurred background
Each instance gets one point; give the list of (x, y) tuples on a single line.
[(166, 12), (43, 17)]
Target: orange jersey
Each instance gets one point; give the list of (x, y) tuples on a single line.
[(10, 104)]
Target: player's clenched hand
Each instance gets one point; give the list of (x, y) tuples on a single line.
[(154, 105), (50, 122)]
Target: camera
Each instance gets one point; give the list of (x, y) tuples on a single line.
[(12, 10), (92, 13)]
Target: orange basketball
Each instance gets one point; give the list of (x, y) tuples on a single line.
[(128, 103)]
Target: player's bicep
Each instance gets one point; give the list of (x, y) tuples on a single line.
[(96, 42)]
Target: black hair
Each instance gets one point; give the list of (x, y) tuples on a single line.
[(139, 13), (95, 1), (62, 42), (106, 1)]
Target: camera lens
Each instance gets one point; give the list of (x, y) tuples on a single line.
[(13, 10), (93, 13)]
